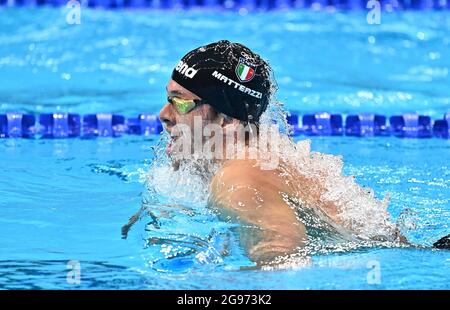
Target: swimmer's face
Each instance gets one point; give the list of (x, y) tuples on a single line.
[(173, 118)]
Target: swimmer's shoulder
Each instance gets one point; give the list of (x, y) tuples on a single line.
[(251, 195), (240, 176), (247, 173)]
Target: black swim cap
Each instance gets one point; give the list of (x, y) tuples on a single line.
[(229, 77)]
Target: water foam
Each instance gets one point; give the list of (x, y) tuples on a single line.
[(359, 209)]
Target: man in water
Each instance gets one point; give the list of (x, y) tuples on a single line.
[(227, 85)]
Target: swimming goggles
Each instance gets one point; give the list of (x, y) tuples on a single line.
[(184, 106)]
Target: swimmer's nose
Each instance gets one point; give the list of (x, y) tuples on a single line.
[(167, 116)]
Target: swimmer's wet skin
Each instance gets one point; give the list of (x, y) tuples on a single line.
[(227, 84)]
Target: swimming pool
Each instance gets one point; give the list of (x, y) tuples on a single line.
[(66, 200)]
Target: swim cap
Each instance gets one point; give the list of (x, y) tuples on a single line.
[(229, 77)]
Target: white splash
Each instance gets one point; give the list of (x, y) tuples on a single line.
[(359, 210)]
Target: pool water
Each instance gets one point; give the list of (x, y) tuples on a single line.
[(66, 200)]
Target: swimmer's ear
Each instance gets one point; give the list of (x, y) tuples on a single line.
[(226, 120), (443, 243)]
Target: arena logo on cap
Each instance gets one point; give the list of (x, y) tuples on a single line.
[(245, 71), (183, 68)]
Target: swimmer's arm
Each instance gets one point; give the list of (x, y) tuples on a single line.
[(131, 221), (138, 215), (269, 227)]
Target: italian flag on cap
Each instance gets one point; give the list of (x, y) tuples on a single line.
[(244, 72)]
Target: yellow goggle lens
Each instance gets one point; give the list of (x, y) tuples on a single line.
[(183, 106)]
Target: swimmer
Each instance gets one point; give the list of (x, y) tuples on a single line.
[(229, 86)]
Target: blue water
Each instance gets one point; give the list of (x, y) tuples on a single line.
[(66, 200)]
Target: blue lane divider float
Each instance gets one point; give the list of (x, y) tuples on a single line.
[(366, 125), (103, 125), (68, 125), (59, 125), (144, 124), (17, 125), (322, 124), (249, 5), (441, 127), (411, 126)]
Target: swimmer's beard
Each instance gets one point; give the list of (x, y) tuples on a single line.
[(176, 165), (205, 168), (184, 156)]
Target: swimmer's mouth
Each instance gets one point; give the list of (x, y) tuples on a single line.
[(170, 144)]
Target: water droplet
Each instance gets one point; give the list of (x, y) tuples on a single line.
[(66, 76), (421, 35)]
